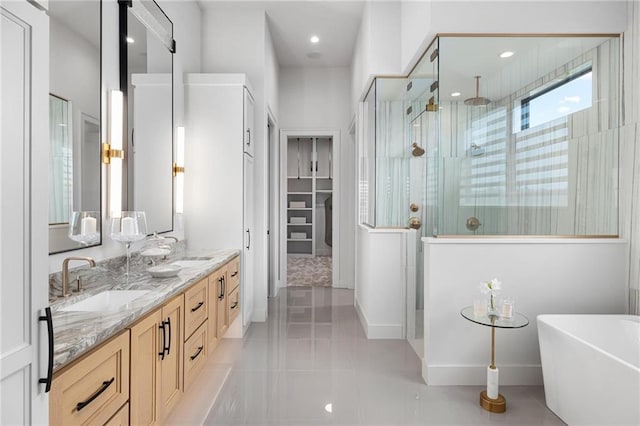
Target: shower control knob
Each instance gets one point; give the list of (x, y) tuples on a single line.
[(415, 223), (473, 223), (414, 207)]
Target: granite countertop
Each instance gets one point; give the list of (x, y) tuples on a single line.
[(76, 332)]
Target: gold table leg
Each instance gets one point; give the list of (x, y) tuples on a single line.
[(498, 405)]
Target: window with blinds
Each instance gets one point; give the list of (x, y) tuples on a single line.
[(529, 165)]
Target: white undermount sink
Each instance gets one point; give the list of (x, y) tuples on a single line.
[(106, 301), (191, 262)]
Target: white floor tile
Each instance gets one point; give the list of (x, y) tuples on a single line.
[(312, 352)]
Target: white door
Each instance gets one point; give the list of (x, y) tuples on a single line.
[(249, 241), (249, 136), (24, 136)]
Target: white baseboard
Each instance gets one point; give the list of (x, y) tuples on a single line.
[(465, 375), (378, 331), (343, 284)]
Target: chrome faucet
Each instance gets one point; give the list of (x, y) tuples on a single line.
[(65, 273)]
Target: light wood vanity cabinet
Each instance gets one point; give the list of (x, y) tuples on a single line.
[(156, 363), (138, 376), (94, 388)]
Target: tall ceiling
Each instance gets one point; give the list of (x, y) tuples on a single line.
[(292, 23)]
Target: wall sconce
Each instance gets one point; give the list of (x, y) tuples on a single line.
[(113, 153), (178, 169)]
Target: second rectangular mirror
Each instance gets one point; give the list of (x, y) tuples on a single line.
[(146, 78)]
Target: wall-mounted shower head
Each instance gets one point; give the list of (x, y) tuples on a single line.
[(418, 151), (478, 100)]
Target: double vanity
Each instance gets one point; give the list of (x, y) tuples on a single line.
[(128, 347)]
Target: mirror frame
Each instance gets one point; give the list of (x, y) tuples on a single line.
[(124, 6), (51, 226)]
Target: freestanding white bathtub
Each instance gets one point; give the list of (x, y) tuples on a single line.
[(591, 368)]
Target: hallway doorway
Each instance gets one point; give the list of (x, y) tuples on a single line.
[(309, 189)]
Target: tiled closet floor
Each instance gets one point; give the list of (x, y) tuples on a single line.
[(311, 364)]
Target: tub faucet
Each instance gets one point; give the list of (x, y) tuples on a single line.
[(65, 273)]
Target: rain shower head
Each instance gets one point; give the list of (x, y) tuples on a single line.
[(478, 100)]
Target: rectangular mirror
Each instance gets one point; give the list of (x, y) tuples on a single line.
[(74, 111), (146, 77)]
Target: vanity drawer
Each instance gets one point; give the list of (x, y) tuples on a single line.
[(121, 418), (233, 274), (94, 388), (234, 304), (195, 354), (195, 307)]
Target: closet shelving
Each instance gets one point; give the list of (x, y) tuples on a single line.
[(309, 184)]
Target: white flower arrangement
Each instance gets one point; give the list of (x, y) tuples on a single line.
[(492, 288)]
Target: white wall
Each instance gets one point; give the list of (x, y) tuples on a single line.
[(318, 98), (377, 49), (543, 275), (237, 40), (186, 23), (422, 20), (74, 72), (386, 265)]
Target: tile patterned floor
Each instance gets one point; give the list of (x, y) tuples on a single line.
[(310, 364), (309, 271)]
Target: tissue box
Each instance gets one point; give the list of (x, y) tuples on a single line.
[(298, 235), (297, 204), (298, 220)]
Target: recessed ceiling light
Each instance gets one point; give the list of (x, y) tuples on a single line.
[(130, 39), (314, 39), (328, 408), (506, 54), (454, 94)]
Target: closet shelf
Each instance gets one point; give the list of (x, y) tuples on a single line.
[(299, 224), (299, 177), (299, 193), (299, 239), (325, 191), (299, 208)]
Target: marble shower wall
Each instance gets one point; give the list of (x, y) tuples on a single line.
[(587, 140), (630, 152)]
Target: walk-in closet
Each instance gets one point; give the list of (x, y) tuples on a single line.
[(309, 206)]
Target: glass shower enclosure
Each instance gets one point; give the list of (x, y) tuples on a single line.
[(494, 136)]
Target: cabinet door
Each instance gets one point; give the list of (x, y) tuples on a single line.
[(171, 368), (24, 150), (222, 317), (249, 135), (246, 262), (213, 291), (146, 347)]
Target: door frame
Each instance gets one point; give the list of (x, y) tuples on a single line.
[(335, 234), (274, 271)]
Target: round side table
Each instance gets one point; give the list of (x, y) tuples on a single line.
[(498, 404)]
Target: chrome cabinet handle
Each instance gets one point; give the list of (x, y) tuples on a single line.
[(105, 385), (249, 239), (248, 137), (49, 319)]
